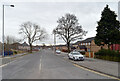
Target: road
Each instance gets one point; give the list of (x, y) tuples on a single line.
[(45, 65)]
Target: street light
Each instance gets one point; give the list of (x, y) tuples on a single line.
[(55, 41), (12, 5), (3, 25)]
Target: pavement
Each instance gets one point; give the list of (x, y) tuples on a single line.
[(47, 65), (102, 66), (7, 59)]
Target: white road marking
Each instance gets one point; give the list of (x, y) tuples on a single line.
[(6, 64), (40, 66), (10, 61)]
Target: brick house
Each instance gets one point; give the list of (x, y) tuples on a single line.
[(115, 47), (89, 45), (64, 47), (61, 47), (82, 47)]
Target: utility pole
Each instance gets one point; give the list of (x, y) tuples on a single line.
[(3, 28), (3, 32), (54, 42)]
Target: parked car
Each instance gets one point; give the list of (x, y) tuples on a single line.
[(58, 51), (80, 51), (75, 56)]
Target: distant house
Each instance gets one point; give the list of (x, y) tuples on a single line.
[(64, 47), (61, 47), (36, 48), (15, 46), (24, 46)]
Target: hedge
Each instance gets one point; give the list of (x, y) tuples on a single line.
[(108, 55)]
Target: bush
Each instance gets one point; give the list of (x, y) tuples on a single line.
[(108, 55), (15, 52), (83, 53)]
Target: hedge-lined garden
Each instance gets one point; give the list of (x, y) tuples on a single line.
[(108, 55)]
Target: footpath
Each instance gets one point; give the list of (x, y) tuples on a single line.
[(102, 66), (7, 59)]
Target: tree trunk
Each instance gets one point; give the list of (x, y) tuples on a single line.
[(108, 46), (30, 48), (101, 47), (68, 46)]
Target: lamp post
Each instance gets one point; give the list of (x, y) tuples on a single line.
[(54, 42), (3, 25)]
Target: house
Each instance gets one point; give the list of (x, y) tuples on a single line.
[(36, 48), (64, 48), (115, 47), (15, 46), (24, 47), (89, 45), (61, 47), (82, 47)]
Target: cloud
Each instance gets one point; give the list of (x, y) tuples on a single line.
[(46, 15)]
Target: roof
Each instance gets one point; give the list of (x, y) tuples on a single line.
[(25, 44), (16, 43), (88, 40), (59, 45)]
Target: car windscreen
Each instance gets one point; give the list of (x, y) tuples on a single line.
[(76, 53)]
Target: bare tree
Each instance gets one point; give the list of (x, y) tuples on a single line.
[(69, 29), (11, 39), (32, 32)]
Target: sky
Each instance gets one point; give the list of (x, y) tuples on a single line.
[(46, 13)]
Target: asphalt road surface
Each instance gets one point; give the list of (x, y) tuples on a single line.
[(45, 65)]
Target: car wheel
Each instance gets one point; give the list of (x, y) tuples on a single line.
[(69, 57), (74, 58)]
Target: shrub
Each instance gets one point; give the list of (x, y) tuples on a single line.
[(15, 52), (108, 55), (83, 52)]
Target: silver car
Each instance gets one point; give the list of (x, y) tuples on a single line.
[(76, 56), (58, 51)]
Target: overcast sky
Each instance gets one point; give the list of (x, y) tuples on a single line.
[(47, 13)]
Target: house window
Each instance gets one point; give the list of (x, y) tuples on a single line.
[(89, 43), (83, 43)]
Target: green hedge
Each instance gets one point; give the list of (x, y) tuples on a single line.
[(108, 55)]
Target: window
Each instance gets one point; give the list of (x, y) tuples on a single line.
[(89, 43)]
